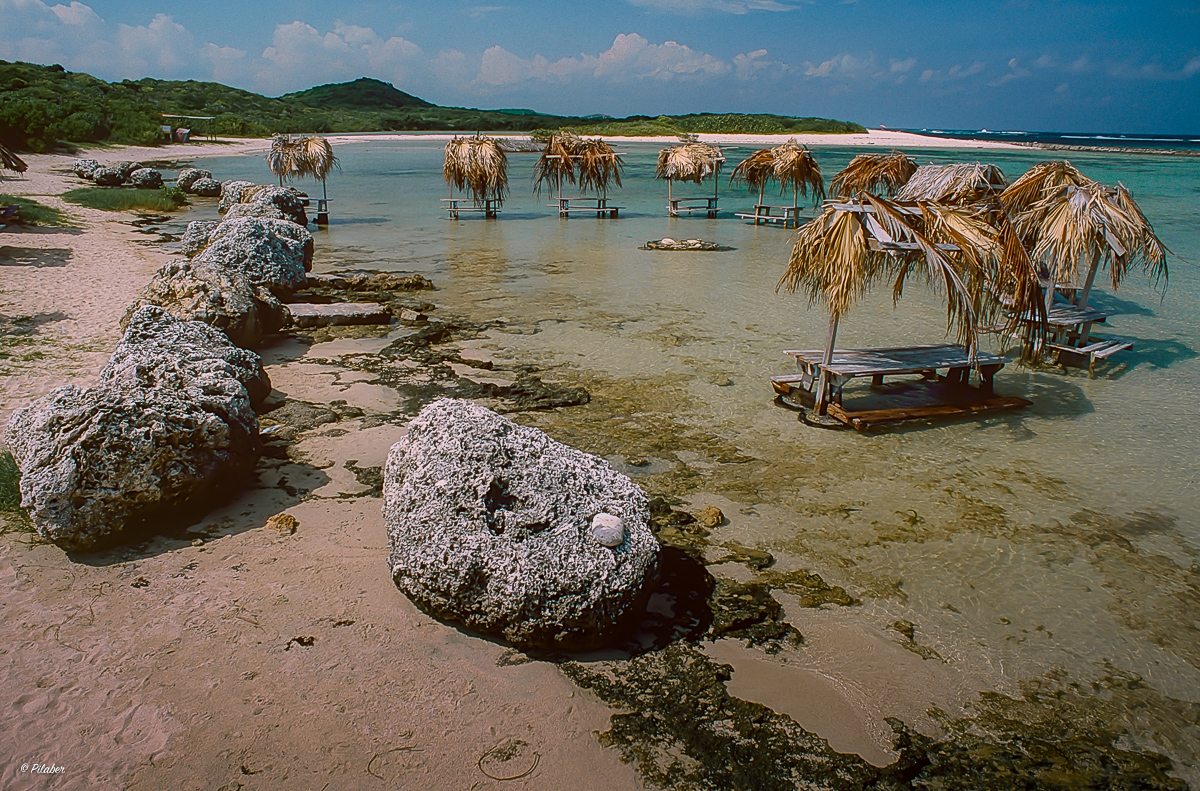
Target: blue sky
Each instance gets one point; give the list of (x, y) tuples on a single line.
[(1007, 64)]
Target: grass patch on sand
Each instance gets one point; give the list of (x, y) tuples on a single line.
[(12, 515), (34, 213), (122, 199)]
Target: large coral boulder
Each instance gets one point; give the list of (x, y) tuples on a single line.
[(84, 168), (503, 529), (231, 193), (206, 188), (273, 253), (195, 236), (108, 176), (146, 178), (189, 176), (152, 441), (221, 297)]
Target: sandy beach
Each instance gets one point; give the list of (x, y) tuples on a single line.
[(240, 655), (265, 646)]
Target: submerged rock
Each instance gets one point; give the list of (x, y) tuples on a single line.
[(686, 244), (491, 524), (154, 439)]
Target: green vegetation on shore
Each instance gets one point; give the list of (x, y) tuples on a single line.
[(119, 199), (34, 213), (12, 516), (44, 107)]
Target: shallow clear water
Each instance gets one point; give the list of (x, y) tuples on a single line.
[(1061, 542)]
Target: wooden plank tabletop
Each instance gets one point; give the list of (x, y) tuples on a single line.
[(897, 360)]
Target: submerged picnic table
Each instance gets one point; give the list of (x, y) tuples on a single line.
[(789, 216), (953, 394), (597, 206), (1071, 337), (490, 207), (679, 206)]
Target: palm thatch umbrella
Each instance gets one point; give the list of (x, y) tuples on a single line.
[(599, 166), (791, 164), (874, 173), (849, 247), (692, 162), (284, 158), (1063, 217), (10, 161), (959, 183), (476, 164), (557, 163)]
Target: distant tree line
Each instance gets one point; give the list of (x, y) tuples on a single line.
[(46, 107)]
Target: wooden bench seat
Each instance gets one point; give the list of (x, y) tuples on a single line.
[(1095, 349)]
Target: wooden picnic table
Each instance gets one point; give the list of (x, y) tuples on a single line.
[(789, 216), (954, 395), (679, 206), (597, 206), (490, 207)]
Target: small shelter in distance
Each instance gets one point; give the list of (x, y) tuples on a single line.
[(477, 165), (589, 162), (790, 164), (693, 162)]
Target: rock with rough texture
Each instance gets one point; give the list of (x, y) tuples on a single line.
[(263, 200), (231, 193), (491, 524), (158, 350), (127, 168), (220, 297), (261, 210), (84, 167), (310, 314), (272, 253), (189, 176), (206, 188), (108, 177), (150, 442), (146, 178), (195, 236)]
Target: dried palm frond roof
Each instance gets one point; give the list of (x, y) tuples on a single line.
[(1064, 217), (478, 165), (689, 162), (963, 182), (310, 155), (284, 157), (556, 164), (874, 173), (599, 165), (10, 161), (791, 164), (850, 246), (316, 156)]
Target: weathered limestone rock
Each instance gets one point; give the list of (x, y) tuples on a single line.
[(150, 441), (265, 200), (108, 177), (272, 253), (189, 176), (84, 167), (206, 188), (221, 297), (158, 350), (231, 193), (195, 237), (309, 314), (491, 524), (146, 178), (127, 168), (262, 210)]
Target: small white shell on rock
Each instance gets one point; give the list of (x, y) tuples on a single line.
[(608, 530)]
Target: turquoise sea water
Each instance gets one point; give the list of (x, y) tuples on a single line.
[(1059, 544)]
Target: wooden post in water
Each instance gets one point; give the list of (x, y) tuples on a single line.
[(823, 381)]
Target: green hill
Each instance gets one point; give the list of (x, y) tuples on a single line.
[(362, 94), (43, 107)]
